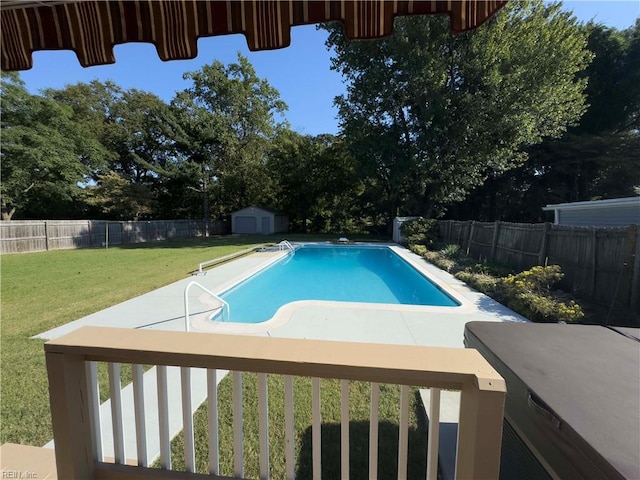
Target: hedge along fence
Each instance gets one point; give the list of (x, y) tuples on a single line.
[(21, 236), (600, 263)]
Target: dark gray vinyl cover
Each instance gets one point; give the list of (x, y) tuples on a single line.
[(630, 332), (575, 389)]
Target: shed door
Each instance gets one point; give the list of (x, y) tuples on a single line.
[(246, 225), (265, 225)]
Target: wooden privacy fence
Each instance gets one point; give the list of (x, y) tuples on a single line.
[(601, 263), (21, 236)]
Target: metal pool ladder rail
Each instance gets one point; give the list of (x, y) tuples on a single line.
[(286, 244), (223, 305)]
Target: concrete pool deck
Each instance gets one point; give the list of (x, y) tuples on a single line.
[(163, 309)]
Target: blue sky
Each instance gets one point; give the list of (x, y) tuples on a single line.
[(300, 72)]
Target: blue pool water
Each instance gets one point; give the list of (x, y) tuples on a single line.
[(343, 274)]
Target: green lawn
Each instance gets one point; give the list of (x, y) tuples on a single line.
[(40, 291), (44, 290)]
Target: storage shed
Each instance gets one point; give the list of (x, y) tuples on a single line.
[(398, 237), (259, 220), (616, 212)]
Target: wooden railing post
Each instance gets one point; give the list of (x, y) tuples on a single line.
[(68, 397), (479, 433)]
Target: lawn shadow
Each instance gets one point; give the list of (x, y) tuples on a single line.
[(359, 449)]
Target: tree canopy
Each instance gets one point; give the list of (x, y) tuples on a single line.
[(596, 159), (430, 116), (531, 108)]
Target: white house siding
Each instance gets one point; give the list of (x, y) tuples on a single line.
[(616, 212), (599, 217)]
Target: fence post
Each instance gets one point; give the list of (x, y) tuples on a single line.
[(635, 272), (494, 241), (46, 235), (473, 224), (594, 261), (544, 243), (629, 263)]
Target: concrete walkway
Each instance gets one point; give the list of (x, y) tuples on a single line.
[(163, 309)]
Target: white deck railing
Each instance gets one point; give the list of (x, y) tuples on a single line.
[(74, 398)]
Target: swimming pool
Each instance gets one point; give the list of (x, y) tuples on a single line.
[(369, 274)]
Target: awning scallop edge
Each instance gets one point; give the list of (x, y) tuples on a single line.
[(92, 28)]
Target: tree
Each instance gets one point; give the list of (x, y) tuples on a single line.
[(316, 182), (40, 155), (596, 159), (430, 116), (229, 117), (127, 133)]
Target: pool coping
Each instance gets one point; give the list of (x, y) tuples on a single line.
[(203, 322)]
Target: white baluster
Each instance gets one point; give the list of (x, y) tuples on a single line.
[(138, 405), (115, 387), (288, 428), (403, 435), (238, 454), (212, 407)]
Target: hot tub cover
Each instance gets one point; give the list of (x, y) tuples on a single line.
[(573, 392)]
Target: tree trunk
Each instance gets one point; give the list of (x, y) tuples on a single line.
[(6, 216)]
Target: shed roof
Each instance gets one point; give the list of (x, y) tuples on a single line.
[(264, 209)]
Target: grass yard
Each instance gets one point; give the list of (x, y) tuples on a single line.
[(44, 290), (359, 393)]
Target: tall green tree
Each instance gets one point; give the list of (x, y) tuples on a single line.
[(316, 182), (430, 115), (41, 150), (597, 159), (230, 117), (130, 134)]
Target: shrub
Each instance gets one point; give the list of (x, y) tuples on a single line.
[(451, 251), (418, 249), (490, 269), (439, 261), (480, 281), (421, 231), (529, 293)]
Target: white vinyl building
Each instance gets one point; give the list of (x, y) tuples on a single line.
[(616, 212), (259, 220), (398, 237)]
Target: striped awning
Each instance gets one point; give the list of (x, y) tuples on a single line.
[(92, 28)]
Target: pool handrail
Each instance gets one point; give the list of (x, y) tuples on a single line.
[(287, 244), (186, 303)]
